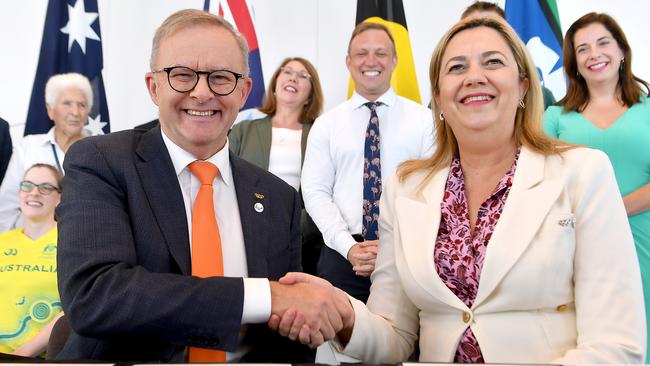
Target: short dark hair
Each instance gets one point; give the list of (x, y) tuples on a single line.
[(577, 95), (480, 6), (366, 26)]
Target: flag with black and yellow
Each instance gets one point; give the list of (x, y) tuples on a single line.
[(391, 14)]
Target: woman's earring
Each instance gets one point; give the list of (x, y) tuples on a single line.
[(522, 105), (442, 116), (578, 76), (621, 66)]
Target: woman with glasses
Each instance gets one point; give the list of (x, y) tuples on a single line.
[(68, 99), (30, 300), (277, 142)]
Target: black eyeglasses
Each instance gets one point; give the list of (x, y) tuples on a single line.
[(183, 79), (43, 188)]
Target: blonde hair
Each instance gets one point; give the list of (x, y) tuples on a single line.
[(528, 130), (189, 18)]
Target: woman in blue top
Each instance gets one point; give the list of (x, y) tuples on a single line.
[(606, 108)]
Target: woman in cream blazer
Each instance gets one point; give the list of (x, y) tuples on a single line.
[(560, 282), (541, 269)]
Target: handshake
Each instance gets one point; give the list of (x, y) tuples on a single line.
[(309, 309)]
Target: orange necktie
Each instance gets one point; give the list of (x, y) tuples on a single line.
[(207, 259)]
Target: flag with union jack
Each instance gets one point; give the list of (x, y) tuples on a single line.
[(239, 14)]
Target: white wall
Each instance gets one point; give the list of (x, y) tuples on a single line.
[(315, 29)]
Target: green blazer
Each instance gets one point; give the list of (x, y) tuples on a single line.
[(251, 141)]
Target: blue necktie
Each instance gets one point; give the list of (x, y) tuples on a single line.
[(371, 176)]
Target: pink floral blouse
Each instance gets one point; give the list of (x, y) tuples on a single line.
[(458, 255)]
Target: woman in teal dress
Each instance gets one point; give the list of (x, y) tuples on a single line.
[(606, 108)]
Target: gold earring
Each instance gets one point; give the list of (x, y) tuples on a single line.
[(442, 116), (522, 105)]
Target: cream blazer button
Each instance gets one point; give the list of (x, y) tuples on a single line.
[(562, 307), (466, 317)]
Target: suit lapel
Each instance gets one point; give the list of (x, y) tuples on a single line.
[(164, 195), (254, 224), (419, 219), (518, 223)]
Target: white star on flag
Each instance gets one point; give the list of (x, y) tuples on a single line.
[(95, 125), (78, 27)]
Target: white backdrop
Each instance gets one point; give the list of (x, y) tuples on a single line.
[(315, 29)]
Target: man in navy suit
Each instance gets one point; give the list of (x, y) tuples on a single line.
[(125, 221)]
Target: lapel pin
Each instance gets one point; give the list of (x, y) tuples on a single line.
[(258, 207), (259, 196), (567, 222)]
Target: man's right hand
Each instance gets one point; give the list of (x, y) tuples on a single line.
[(298, 323), (363, 256), (317, 308)]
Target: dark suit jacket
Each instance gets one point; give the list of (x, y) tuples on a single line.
[(251, 141), (124, 257), (6, 148)]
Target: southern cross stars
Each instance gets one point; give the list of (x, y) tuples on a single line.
[(78, 27)]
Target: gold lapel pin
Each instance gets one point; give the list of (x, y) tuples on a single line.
[(259, 196)]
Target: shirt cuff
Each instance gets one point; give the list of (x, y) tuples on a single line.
[(257, 301), (342, 243)]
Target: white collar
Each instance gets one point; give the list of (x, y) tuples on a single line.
[(388, 99), (181, 158)]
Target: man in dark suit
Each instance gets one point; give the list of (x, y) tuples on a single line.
[(5, 147), (126, 236)]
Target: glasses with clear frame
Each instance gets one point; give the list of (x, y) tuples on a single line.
[(184, 79), (43, 188), (300, 75)]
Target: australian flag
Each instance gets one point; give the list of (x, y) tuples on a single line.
[(238, 14), (71, 43)]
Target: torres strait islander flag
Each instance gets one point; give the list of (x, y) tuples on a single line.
[(391, 14), (239, 14), (538, 24)]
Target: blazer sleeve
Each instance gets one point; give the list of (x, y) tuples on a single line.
[(610, 314), (106, 290), (386, 330)]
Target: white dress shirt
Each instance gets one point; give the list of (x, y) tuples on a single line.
[(30, 150), (257, 291), (332, 175)]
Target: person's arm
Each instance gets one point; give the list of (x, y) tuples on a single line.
[(37, 344), (9, 205), (106, 255), (637, 201), (610, 315), (6, 147), (386, 329), (317, 185)]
